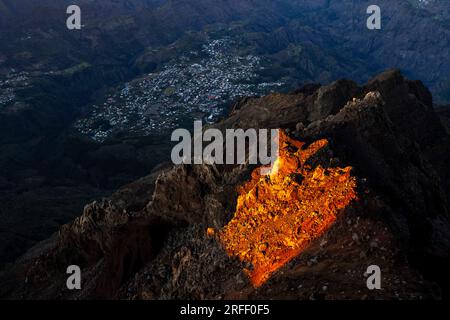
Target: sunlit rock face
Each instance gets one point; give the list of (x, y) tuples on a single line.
[(156, 238), (279, 214)]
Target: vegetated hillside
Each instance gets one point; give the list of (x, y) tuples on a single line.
[(334, 32), (150, 239)]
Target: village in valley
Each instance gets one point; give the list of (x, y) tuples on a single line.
[(8, 86), (195, 86)]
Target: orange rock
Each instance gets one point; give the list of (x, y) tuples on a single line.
[(210, 232), (277, 216)]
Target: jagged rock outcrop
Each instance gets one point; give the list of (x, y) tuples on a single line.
[(149, 240)]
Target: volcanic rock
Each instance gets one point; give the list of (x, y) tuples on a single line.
[(153, 240)]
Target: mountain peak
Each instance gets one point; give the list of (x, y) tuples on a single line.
[(150, 239)]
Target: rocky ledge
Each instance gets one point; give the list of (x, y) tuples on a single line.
[(149, 240)]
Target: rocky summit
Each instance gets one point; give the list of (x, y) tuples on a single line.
[(86, 111), (159, 237)]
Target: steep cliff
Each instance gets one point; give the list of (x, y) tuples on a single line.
[(150, 240)]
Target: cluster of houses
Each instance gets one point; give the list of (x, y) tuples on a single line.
[(195, 86)]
